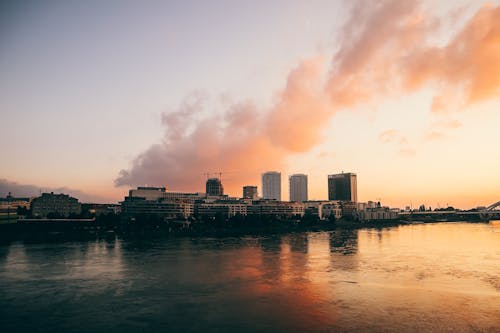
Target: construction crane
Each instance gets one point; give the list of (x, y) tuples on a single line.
[(207, 174)]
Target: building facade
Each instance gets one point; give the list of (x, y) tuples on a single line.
[(226, 208), (276, 208), (378, 214), (157, 201), (271, 185), (50, 203), (329, 210), (214, 187), (324, 209), (137, 207), (156, 193), (298, 187), (147, 192), (343, 187), (250, 192)]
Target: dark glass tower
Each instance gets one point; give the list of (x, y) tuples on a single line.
[(343, 187)]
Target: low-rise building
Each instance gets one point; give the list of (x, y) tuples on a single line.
[(224, 207), (349, 209), (100, 209), (12, 203), (136, 207), (378, 214), (324, 209), (60, 204), (276, 208), (330, 209), (155, 193)]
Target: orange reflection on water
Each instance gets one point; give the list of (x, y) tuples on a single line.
[(278, 282), (425, 277), (380, 279)]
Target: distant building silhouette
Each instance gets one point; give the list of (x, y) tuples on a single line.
[(157, 201), (11, 202), (148, 192), (133, 207), (157, 193), (50, 203), (298, 187), (250, 192), (214, 187), (271, 185), (343, 187)]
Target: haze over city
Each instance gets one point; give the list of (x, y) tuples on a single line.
[(98, 97)]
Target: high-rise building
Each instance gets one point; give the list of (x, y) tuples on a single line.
[(343, 187), (271, 185), (250, 192), (298, 187), (214, 187)]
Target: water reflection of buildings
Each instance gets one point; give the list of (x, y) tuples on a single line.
[(98, 260), (289, 265), (284, 258), (344, 249), (299, 257), (299, 242), (344, 241), (271, 261)]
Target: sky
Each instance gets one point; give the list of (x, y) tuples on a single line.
[(97, 97)]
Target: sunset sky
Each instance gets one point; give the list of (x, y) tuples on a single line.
[(99, 96)]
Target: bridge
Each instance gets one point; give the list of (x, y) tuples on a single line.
[(486, 213), (493, 207)]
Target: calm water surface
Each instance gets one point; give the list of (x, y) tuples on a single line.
[(418, 278)]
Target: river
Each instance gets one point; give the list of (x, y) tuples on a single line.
[(436, 277)]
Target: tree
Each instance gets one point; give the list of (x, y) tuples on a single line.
[(23, 211)]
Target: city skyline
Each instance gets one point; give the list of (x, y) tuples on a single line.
[(404, 94), (233, 166)]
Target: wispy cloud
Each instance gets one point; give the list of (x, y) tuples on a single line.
[(433, 135), (326, 155), (395, 137), (441, 129)]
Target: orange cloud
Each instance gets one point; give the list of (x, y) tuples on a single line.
[(388, 49), (296, 121), (240, 139), (467, 68), (385, 49), (374, 41)]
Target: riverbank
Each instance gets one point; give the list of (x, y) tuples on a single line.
[(73, 230)]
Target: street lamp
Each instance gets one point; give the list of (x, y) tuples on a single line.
[(9, 196)]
